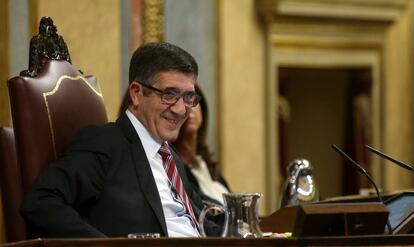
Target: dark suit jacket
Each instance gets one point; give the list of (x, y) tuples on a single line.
[(101, 186)]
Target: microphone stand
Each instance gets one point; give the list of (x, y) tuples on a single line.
[(363, 171), (387, 157)]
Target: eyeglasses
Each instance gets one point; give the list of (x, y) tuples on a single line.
[(170, 96)]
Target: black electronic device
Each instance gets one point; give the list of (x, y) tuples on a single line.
[(401, 217), (365, 173), (400, 206)]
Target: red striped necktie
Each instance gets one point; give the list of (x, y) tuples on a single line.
[(175, 179)]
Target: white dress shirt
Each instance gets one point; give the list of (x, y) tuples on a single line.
[(176, 218)]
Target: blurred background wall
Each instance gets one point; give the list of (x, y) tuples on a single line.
[(264, 66)]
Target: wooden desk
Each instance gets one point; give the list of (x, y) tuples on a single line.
[(373, 240)]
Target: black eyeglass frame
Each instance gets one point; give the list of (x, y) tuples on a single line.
[(177, 96)]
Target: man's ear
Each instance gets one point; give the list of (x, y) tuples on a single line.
[(134, 91)]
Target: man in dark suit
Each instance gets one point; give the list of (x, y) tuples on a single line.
[(113, 180)]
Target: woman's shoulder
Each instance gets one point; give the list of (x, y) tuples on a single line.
[(203, 169)]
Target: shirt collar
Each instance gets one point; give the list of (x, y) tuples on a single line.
[(151, 146)]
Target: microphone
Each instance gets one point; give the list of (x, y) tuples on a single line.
[(363, 171), (381, 154)]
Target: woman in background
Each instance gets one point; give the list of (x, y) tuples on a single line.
[(191, 144)]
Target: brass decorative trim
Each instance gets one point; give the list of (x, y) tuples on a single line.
[(323, 42), (365, 10), (153, 20), (54, 90), (342, 10)]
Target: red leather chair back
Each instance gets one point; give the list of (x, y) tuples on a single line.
[(11, 186), (47, 110)]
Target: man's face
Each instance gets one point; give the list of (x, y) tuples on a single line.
[(163, 121)]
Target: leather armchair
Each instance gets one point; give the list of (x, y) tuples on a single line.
[(11, 186), (49, 103), (47, 110)]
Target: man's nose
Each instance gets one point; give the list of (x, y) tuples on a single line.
[(179, 107)]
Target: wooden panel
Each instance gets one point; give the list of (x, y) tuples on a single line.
[(384, 240), (5, 63), (91, 30), (338, 219)]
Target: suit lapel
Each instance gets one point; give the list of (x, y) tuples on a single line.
[(148, 184), (143, 170)]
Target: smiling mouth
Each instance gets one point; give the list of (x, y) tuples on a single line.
[(173, 121)]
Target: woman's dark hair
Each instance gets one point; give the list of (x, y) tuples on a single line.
[(202, 146)]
